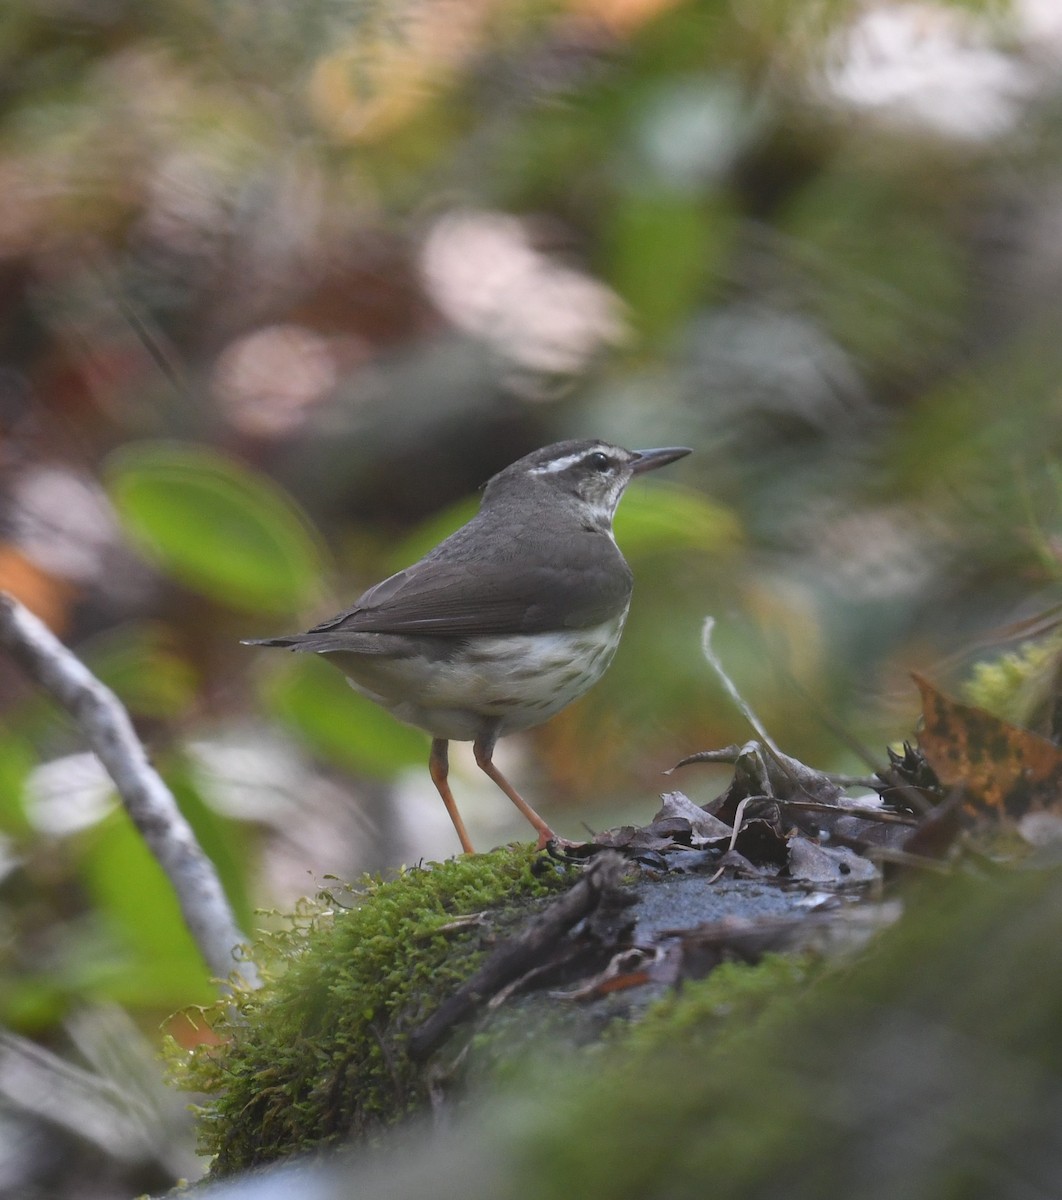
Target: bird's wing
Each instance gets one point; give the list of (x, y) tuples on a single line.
[(448, 597)]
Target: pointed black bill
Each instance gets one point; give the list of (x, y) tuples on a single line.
[(649, 460)]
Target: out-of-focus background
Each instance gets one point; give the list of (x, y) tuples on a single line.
[(281, 285)]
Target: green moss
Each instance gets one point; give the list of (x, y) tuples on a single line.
[(318, 1053), (1016, 685), (732, 996)]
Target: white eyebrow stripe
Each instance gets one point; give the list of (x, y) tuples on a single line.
[(560, 464)]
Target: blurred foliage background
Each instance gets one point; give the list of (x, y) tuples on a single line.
[(282, 284)]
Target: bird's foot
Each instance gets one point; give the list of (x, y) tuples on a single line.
[(558, 847)]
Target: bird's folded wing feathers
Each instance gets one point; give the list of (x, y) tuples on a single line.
[(447, 599)]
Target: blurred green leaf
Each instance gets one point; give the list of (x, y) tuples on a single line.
[(883, 269), (316, 700), (216, 526), (665, 250), (78, 959), (963, 436), (139, 664), (161, 965), (32, 1002), (17, 759), (668, 516)]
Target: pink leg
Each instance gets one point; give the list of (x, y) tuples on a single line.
[(439, 766)]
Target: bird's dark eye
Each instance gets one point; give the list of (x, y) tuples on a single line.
[(597, 461)]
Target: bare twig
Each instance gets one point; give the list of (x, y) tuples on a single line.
[(715, 662), (106, 725), (852, 810)]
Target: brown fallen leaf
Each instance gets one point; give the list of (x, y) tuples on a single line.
[(834, 865), (703, 827), (1000, 766)]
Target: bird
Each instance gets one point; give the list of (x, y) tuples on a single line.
[(506, 621)]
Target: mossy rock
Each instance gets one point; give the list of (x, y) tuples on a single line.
[(318, 1054), (928, 1067)]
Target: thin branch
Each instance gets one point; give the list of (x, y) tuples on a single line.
[(106, 725), (852, 810), (715, 662)]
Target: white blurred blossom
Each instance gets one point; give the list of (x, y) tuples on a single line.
[(266, 380), (63, 522), (929, 66), (68, 794), (1040, 29), (483, 272)]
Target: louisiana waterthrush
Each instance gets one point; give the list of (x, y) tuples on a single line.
[(505, 622)]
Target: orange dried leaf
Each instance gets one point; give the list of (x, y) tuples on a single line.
[(999, 765), (45, 595)]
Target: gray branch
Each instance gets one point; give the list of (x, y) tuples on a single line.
[(150, 803)]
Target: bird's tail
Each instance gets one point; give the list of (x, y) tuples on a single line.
[(301, 643)]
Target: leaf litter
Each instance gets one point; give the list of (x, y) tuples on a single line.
[(785, 858)]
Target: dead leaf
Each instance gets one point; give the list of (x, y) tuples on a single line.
[(632, 840), (837, 865), (734, 939), (862, 835), (762, 843), (742, 867), (999, 765), (45, 595), (762, 771), (935, 834), (702, 825), (626, 969)]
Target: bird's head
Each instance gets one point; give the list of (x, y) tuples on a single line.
[(590, 475)]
